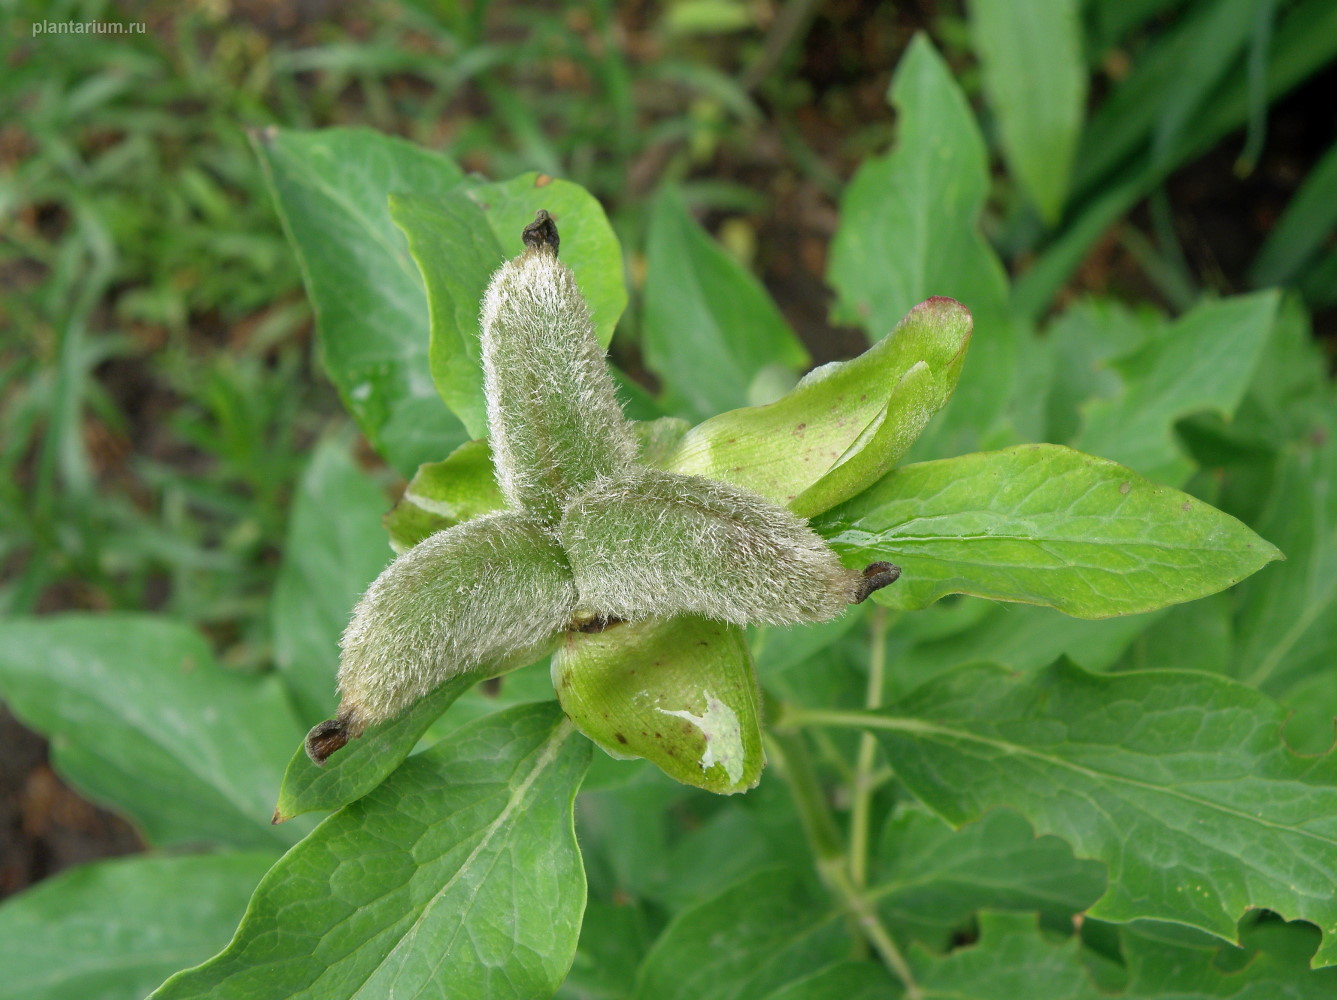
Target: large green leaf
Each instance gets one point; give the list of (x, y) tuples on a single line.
[(1205, 361), (929, 881), (1010, 959), (114, 929), (753, 938), (1043, 524), (335, 547), (1013, 959), (1019, 637), (141, 717), (709, 325), (845, 424), (460, 237), (908, 232), (331, 188), (457, 877), (1179, 782), (1034, 77)]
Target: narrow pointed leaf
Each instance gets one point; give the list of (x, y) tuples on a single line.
[(680, 692), (1034, 77), (709, 325), (460, 237), (1179, 782), (443, 494), (366, 761), (908, 231), (1204, 361), (459, 876), (331, 188), (1043, 524), (844, 424), (143, 718), (332, 551), (115, 929)]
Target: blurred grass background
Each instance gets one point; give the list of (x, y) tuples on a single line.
[(159, 387)]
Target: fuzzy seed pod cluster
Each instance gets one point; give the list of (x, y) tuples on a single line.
[(590, 537)]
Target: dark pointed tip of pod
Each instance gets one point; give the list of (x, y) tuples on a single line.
[(542, 232), (875, 576), (325, 738)]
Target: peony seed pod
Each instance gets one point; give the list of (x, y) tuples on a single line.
[(652, 543), (481, 596), (554, 418)]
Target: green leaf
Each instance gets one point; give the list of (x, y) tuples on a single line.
[(1082, 341), (1205, 361), (930, 881), (1043, 524), (1276, 964), (444, 494), (908, 231), (1034, 77), (775, 931), (143, 718), (844, 425), (1013, 959), (459, 238), (842, 981), (680, 692), (331, 188), (709, 326), (366, 761), (1019, 637), (459, 876), (333, 550), (1285, 630), (1010, 959), (1179, 782), (1302, 229), (114, 929)]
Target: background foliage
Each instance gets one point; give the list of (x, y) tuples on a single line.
[(172, 433)]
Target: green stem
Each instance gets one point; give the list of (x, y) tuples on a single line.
[(861, 806), (789, 755)]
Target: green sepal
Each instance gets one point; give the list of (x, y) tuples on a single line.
[(444, 494), (844, 425), (681, 692)]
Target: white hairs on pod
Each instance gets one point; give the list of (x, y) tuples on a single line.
[(553, 414), (470, 597), (651, 543)]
